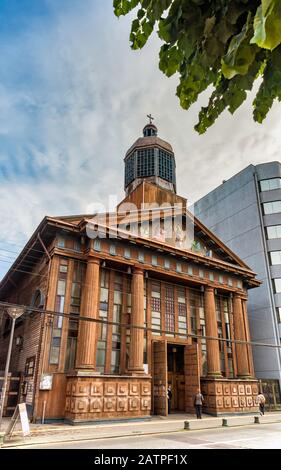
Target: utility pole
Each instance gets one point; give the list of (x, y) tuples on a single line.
[(14, 313)]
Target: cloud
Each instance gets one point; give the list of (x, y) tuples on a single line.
[(74, 97)]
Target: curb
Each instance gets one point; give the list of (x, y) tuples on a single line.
[(114, 436), (95, 426)]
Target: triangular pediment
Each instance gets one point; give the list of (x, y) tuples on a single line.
[(170, 227)]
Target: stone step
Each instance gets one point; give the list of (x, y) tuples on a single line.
[(207, 423)]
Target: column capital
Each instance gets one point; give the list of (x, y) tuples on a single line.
[(138, 270), (240, 296), (93, 259), (208, 288)]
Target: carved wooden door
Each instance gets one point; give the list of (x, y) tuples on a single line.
[(192, 375), (160, 402)]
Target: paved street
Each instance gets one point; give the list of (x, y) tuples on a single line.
[(263, 436)]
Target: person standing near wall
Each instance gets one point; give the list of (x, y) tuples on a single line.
[(261, 403), (169, 396), (198, 403)]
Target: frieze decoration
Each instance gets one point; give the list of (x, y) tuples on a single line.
[(229, 395), (90, 398)]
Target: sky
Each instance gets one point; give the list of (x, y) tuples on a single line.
[(73, 99)]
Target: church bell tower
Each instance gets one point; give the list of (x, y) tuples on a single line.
[(150, 159)]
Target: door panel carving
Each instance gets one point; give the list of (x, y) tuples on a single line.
[(160, 378), (192, 375)]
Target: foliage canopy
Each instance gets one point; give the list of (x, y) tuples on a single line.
[(226, 44)]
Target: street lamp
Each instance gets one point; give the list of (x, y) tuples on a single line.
[(14, 313)]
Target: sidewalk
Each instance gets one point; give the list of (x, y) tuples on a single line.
[(61, 432)]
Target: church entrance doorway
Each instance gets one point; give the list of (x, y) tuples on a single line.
[(178, 366), (176, 376)]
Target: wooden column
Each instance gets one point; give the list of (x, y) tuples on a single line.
[(248, 338), (240, 334), (86, 349), (137, 319), (213, 354)]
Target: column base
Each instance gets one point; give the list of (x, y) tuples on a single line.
[(136, 372), (215, 375), (84, 373)]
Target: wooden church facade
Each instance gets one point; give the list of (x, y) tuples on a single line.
[(116, 319)]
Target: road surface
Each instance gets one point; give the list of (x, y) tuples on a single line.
[(263, 436)]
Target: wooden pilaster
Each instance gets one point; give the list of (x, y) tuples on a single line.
[(137, 319), (248, 338), (86, 350), (243, 369), (213, 355)]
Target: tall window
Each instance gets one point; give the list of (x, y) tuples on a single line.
[(154, 260), (272, 207), (59, 307), (166, 166), (227, 313), (116, 329), (203, 342), (129, 169), (128, 319), (78, 276), (220, 334), (192, 306), (182, 313), (145, 324), (156, 308), (169, 309), (103, 314), (145, 162), (273, 183), (167, 264)]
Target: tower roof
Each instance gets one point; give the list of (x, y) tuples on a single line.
[(153, 141), (150, 139)]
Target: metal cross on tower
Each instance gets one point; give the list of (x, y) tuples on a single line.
[(150, 118)]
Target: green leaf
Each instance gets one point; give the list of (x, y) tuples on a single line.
[(240, 54), (170, 60), (244, 57), (267, 25), (122, 7), (209, 24)]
